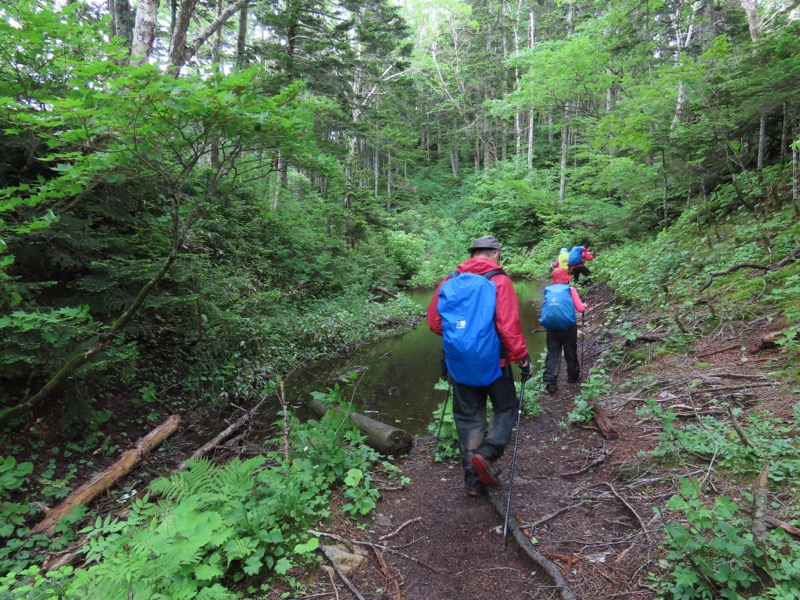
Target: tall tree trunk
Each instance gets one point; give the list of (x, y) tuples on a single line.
[(762, 141), (454, 159), (179, 36), (215, 59), (562, 187), (389, 181), (144, 31), (796, 173), (241, 40), (122, 20), (530, 139), (376, 170), (753, 21)]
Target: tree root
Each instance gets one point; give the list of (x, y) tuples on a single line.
[(524, 543)]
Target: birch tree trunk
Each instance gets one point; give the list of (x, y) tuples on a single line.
[(753, 22), (144, 31)]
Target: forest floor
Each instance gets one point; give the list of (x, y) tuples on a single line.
[(586, 504), (589, 504)]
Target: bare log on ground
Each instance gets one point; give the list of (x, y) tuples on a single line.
[(69, 555), (103, 481), (603, 422), (386, 292), (769, 340), (748, 265), (380, 436), (545, 563)]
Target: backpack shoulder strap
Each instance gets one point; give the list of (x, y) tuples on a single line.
[(452, 275), (491, 274)]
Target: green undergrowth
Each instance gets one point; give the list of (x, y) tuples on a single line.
[(713, 547), (673, 291), (210, 531)]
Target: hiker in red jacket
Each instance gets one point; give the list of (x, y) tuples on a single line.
[(580, 268), (480, 448)]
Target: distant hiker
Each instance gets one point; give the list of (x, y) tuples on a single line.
[(577, 257), (475, 309), (562, 262), (558, 317)]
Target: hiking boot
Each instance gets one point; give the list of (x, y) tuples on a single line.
[(551, 388), (573, 378), (485, 469), (476, 489)]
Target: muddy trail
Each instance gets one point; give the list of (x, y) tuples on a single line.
[(584, 504)]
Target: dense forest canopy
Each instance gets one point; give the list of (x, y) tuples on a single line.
[(198, 197), (194, 171)]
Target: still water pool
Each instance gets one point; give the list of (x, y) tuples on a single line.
[(396, 376)]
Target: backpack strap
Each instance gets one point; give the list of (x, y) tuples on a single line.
[(491, 274), (488, 275)]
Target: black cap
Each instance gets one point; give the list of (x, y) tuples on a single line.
[(486, 242)]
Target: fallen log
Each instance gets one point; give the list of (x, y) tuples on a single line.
[(380, 436), (603, 422), (107, 478), (525, 545), (68, 556)]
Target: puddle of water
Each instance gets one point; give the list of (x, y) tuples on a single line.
[(396, 376)]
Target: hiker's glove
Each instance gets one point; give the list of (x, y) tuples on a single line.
[(525, 368)]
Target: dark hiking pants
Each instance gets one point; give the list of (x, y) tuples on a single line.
[(469, 413), (556, 342), (578, 271)]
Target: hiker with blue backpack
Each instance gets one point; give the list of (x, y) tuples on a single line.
[(561, 300), (475, 310), (578, 256)]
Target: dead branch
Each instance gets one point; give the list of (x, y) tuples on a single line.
[(551, 516), (221, 436), (395, 551), (790, 529), (591, 465), (719, 350), (748, 265), (342, 576), (524, 543), (630, 508), (741, 432), (759, 527), (104, 480), (399, 529), (387, 576)]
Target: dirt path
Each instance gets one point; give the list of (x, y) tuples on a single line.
[(593, 499)]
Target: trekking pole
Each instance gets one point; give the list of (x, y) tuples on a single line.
[(513, 462), (441, 419), (583, 339)]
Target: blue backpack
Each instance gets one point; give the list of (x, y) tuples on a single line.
[(575, 256), (558, 309), (471, 345)]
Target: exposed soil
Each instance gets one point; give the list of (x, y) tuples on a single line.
[(587, 502)]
